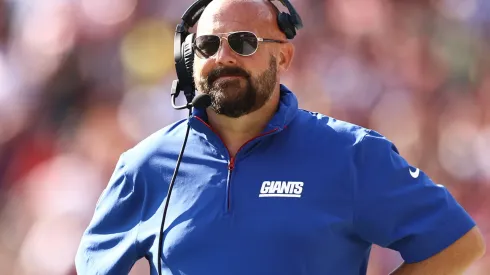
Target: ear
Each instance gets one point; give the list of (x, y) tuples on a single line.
[(286, 56)]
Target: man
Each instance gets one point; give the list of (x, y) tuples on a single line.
[(266, 188)]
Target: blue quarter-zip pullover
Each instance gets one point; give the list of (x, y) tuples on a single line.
[(308, 196)]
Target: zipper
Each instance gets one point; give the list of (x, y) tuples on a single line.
[(231, 163), (231, 166)]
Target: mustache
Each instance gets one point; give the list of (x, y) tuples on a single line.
[(226, 71)]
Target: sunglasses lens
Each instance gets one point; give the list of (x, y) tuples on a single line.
[(207, 45), (243, 43)]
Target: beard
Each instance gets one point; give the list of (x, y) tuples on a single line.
[(236, 97)]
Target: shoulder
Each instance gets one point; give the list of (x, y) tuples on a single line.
[(331, 129), (161, 143)]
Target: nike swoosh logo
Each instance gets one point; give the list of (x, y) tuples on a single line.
[(414, 174)]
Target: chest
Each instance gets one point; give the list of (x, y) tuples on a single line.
[(296, 206), (303, 194), (290, 192)]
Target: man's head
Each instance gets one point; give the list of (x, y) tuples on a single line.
[(239, 84)]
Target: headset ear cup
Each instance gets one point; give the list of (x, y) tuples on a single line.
[(188, 53), (286, 26)]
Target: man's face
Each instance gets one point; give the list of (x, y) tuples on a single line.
[(235, 91), (237, 84)]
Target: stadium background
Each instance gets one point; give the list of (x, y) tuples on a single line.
[(83, 80)]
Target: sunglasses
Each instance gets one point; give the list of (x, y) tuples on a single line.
[(243, 43)]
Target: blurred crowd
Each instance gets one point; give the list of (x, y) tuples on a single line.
[(83, 80)]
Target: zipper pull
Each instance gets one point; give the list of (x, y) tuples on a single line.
[(231, 165)]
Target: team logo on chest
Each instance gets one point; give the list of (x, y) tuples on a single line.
[(285, 189)]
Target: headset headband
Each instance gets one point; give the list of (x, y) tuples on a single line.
[(194, 12)]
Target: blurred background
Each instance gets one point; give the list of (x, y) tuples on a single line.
[(83, 80)]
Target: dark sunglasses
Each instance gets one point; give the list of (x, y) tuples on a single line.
[(243, 43)]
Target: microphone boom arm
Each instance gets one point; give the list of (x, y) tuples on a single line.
[(175, 93)]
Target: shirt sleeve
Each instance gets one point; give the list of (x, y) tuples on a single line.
[(108, 245), (398, 206)]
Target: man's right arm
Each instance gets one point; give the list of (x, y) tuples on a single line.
[(108, 245)]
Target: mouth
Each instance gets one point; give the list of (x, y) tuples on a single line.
[(226, 75), (229, 77)]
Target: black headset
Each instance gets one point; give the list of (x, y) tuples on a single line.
[(184, 40)]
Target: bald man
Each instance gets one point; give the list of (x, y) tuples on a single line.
[(265, 187)]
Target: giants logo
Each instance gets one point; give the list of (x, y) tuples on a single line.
[(285, 189)]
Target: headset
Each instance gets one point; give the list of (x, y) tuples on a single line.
[(184, 40), (184, 61)]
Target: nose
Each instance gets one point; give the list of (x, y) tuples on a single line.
[(225, 55)]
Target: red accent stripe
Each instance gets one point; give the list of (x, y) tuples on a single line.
[(232, 159)]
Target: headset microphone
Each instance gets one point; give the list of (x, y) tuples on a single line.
[(201, 101)]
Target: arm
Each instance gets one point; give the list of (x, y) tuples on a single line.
[(108, 245), (406, 211), (461, 254)]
